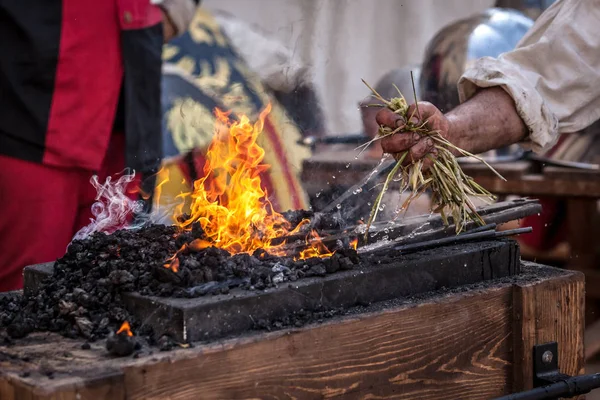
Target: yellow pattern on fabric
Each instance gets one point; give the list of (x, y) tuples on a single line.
[(187, 64), (169, 51), (205, 29), (191, 124)]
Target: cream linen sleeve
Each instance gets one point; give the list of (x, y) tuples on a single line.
[(553, 75)]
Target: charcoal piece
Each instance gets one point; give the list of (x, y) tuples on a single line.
[(165, 343), (85, 326), (332, 266), (20, 328), (121, 344), (120, 277)]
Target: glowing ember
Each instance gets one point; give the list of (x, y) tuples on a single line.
[(315, 248), (229, 202), (125, 328)]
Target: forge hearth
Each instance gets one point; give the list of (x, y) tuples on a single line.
[(458, 321), (107, 279), (377, 277)]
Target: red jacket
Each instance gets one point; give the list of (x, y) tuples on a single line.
[(64, 66)]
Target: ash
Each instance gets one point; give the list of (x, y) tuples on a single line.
[(83, 297)]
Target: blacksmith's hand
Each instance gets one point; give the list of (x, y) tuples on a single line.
[(418, 145)]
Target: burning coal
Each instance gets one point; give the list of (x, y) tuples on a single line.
[(228, 208), (229, 237), (125, 329), (123, 342), (229, 202)]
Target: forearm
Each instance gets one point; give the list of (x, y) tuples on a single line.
[(489, 120), (548, 76)]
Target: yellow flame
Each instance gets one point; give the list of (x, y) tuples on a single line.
[(229, 201)]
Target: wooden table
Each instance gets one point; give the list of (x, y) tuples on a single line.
[(473, 343)]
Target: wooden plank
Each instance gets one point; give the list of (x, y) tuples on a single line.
[(511, 171), (76, 373), (344, 169), (455, 347), (111, 388), (538, 185), (552, 310), (571, 174), (341, 168)]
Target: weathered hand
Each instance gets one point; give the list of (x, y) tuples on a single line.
[(417, 145)]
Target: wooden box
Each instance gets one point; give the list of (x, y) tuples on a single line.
[(470, 342)]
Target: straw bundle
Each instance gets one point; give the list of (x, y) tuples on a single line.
[(451, 190)]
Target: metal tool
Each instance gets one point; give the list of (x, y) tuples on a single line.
[(478, 234), (418, 229), (312, 141), (559, 163), (540, 161), (383, 168)]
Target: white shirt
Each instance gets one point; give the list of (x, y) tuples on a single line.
[(553, 75)]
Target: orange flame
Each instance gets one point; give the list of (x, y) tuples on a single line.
[(315, 248), (354, 243), (125, 328), (229, 201)]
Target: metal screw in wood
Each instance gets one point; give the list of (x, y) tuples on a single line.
[(547, 357)]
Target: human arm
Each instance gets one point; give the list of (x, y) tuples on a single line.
[(550, 79)]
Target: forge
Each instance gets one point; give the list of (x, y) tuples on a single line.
[(215, 295), (372, 279), (418, 316), (235, 300)]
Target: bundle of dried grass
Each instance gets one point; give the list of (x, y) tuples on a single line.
[(451, 190)]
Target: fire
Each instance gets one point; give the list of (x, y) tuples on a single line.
[(229, 201), (315, 248), (125, 328), (354, 243)]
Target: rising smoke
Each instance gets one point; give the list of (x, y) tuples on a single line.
[(113, 209)]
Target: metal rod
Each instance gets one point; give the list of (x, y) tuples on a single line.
[(462, 238), (483, 228), (383, 168), (564, 164), (341, 139), (567, 388)]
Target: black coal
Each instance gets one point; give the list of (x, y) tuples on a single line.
[(83, 296)]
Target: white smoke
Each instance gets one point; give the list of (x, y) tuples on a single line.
[(113, 209)]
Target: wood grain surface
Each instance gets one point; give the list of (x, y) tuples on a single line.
[(550, 311), (458, 347)]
